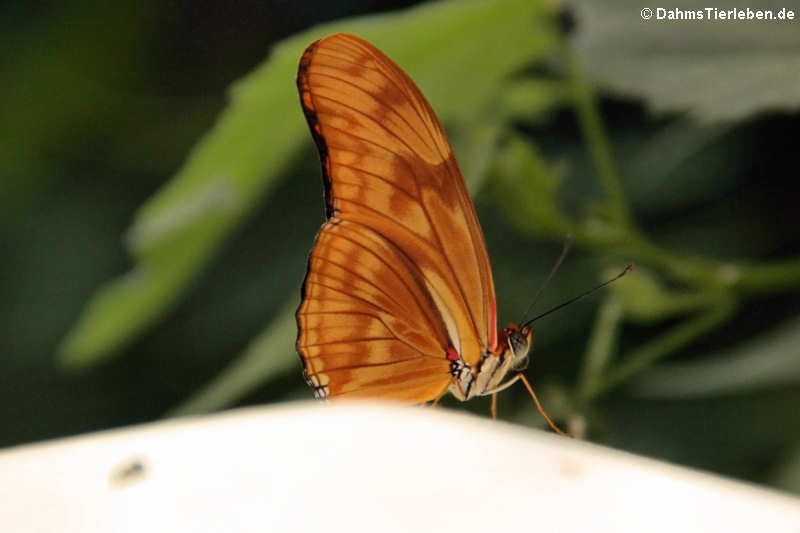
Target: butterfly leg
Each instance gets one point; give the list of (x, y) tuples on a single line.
[(521, 377), (539, 406), (435, 401)]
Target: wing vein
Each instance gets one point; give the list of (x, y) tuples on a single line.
[(389, 108), (371, 365), (365, 280), (378, 124), (394, 336), (376, 176), (388, 266), (404, 90), (439, 246)]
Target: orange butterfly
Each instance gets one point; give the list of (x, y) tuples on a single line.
[(398, 301)]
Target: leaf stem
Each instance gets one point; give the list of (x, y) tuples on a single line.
[(600, 347), (647, 354), (597, 141)]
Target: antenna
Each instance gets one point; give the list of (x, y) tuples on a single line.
[(575, 299), (564, 251)]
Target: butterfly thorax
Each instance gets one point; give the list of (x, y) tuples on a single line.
[(491, 371)]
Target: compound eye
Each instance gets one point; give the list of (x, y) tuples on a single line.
[(518, 343), (521, 364)]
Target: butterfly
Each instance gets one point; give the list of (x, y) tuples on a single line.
[(398, 300)]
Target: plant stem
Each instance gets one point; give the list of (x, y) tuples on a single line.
[(601, 344), (662, 346), (597, 141)]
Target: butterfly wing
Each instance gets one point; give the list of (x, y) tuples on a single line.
[(399, 280)]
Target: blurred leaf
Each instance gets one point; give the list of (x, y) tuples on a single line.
[(249, 150), (527, 187), (697, 66), (771, 360), (530, 98), (474, 145), (602, 343), (270, 354), (646, 300), (614, 207), (675, 167), (662, 346), (787, 474)]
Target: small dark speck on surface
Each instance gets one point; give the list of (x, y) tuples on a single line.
[(128, 472)]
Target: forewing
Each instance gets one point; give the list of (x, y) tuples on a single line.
[(399, 273)]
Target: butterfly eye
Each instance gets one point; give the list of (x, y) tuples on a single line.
[(518, 343), (521, 364)]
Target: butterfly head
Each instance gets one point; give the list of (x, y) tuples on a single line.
[(519, 341)]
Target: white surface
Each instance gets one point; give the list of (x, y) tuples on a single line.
[(308, 467)]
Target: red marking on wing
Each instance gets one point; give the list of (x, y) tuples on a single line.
[(452, 354)]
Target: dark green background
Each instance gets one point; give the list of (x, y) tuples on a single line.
[(100, 105)]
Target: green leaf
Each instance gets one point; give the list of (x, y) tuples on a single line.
[(714, 69), (459, 52), (602, 342), (527, 187), (768, 361), (677, 166), (656, 349), (474, 145), (531, 98), (646, 300)]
